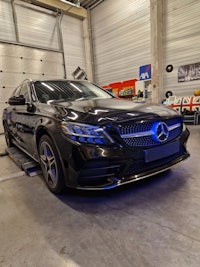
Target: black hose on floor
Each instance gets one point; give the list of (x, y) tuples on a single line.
[(2, 154)]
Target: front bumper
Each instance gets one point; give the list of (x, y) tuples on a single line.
[(97, 168)]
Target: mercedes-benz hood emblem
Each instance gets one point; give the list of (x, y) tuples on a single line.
[(161, 132)]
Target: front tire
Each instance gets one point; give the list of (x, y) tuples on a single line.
[(51, 165)]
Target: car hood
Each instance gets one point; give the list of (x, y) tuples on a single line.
[(115, 110)]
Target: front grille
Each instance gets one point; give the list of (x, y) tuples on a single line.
[(140, 134)]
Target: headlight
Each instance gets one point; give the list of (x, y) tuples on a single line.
[(85, 133)]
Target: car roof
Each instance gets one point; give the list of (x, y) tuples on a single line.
[(51, 80), (55, 80)]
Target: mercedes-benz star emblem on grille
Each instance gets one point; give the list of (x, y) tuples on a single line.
[(162, 132)]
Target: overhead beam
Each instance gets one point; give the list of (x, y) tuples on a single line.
[(66, 8)]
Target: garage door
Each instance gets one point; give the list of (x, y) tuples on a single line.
[(73, 44), (31, 47), (18, 63)]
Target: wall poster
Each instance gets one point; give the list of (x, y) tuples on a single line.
[(145, 72), (190, 72)]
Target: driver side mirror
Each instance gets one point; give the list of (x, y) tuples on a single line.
[(14, 100)]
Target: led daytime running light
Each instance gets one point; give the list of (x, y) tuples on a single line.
[(85, 133)]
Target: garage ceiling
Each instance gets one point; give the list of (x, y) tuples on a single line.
[(88, 4)]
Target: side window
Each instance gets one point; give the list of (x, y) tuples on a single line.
[(24, 90)]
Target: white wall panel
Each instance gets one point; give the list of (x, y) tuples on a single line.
[(7, 29), (18, 63), (181, 42), (36, 27), (72, 32), (121, 39)]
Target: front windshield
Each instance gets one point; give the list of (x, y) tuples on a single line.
[(49, 91)]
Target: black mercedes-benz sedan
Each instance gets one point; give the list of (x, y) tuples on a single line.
[(84, 137)]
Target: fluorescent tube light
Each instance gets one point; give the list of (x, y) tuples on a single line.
[(70, 3)]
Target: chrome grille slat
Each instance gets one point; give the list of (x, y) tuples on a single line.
[(147, 133), (174, 126)]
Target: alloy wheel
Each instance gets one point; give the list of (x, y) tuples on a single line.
[(49, 164)]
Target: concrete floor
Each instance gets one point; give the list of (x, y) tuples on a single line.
[(155, 222)]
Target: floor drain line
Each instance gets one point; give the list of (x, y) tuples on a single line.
[(2, 154), (12, 176)]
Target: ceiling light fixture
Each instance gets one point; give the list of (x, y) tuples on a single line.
[(70, 3)]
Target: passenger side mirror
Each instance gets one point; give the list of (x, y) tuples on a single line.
[(16, 100)]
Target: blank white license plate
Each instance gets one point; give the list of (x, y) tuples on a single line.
[(161, 151)]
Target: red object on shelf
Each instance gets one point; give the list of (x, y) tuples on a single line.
[(129, 87), (116, 87), (105, 87), (122, 89), (129, 82)]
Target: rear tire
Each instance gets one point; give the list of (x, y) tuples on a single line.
[(51, 165)]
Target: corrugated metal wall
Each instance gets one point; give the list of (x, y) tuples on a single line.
[(121, 39), (181, 42), (36, 27), (7, 28), (40, 28), (18, 63), (72, 32)]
